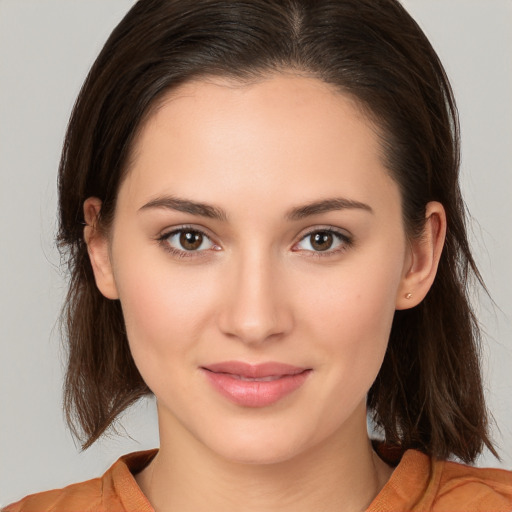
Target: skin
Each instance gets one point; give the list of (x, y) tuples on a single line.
[(257, 290)]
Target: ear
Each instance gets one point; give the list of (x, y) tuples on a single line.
[(423, 258), (98, 249)]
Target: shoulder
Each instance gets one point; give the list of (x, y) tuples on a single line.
[(115, 491), (421, 483), (461, 487), (84, 496)]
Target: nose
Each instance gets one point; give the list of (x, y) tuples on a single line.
[(255, 306)]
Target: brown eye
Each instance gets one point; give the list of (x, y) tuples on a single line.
[(326, 241), (191, 240), (187, 240), (321, 241)]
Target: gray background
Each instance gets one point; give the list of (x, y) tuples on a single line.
[(46, 48)]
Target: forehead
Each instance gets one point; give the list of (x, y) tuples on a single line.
[(282, 132)]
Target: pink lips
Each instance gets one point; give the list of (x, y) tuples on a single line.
[(255, 385)]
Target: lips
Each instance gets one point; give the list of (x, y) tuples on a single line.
[(258, 385)]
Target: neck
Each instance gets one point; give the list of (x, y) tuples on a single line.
[(342, 473)]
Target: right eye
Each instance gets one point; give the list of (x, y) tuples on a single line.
[(187, 241)]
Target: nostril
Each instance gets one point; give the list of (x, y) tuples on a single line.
[(254, 308)]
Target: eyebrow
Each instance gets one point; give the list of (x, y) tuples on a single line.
[(213, 212), (186, 206), (326, 205)]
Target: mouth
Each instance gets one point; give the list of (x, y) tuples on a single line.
[(257, 379), (258, 385)]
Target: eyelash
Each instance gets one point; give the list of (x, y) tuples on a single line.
[(346, 242), (163, 241)]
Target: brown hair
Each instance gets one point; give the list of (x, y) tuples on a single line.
[(428, 394)]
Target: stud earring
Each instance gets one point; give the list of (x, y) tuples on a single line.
[(408, 296)]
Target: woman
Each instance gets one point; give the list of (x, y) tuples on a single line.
[(261, 206)]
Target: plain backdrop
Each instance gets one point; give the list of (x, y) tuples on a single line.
[(46, 49)]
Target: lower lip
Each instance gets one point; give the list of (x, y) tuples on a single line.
[(252, 393)]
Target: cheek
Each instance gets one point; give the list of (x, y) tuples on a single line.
[(351, 315), (165, 308)]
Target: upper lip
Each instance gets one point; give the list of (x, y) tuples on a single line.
[(255, 371)]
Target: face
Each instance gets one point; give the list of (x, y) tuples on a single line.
[(259, 254)]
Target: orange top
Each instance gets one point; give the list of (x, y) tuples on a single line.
[(419, 483)]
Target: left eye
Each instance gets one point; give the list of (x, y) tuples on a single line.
[(323, 241), (189, 240)]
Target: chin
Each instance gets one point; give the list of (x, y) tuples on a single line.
[(258, 445)]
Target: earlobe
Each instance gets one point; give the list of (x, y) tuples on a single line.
[(425, 253), (98, 249)]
